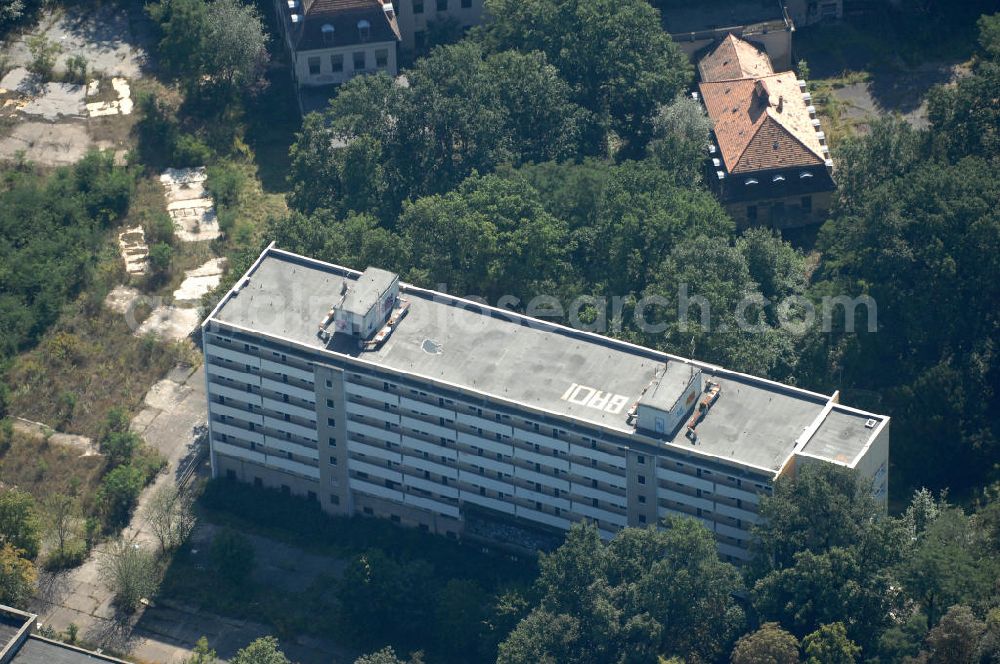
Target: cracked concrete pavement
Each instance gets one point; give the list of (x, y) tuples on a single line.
[(172, 422)]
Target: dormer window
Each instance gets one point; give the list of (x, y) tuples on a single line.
[(778, 178), (327, 31), (364, 30), (805, 175), (750, 181)]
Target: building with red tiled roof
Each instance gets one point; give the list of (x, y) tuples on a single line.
[(770, 164)]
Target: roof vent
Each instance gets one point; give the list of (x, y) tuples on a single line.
[(870, 424), (293, 5), (296, 18)]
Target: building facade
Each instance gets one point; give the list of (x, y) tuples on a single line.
[(331, 41), (698, 26), (417, 18), (769, 163), (474, 422), (810, 12)]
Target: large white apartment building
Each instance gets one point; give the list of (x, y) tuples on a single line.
[(376, 397)]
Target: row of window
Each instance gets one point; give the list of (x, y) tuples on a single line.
[(778, 209), (359, 61), (440, 5)]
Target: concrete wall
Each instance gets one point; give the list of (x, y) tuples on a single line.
[(326, 74)]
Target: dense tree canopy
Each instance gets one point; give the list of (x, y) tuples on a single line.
[(645, 594), (50, 229), (619, 62)]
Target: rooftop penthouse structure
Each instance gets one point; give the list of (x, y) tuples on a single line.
[(375, 397)]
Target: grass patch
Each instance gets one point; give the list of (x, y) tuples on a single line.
[(86, 364), (41, 467), (838, 121)]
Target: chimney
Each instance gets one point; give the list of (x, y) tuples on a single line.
[(781, 103)]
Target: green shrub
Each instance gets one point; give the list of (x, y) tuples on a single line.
[(159, 228), (76, 69), (72, 555), (226, 182), (118, 495), (232, 556), (160, 255), (43, 56), (189, 150)]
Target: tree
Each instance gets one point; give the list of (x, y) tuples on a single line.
[(819, 508), (202, 653), (647, 593), (17, 577), (542, 637), (128, 571), (232, 556), (830, 645), (377, 590), (384, 656), (10, 12), (459, 613), (183, 27), (160, 255), (490, 237), (168, 512), (680, 139), (989, 35), (119, 493), (60, 513), (617, 59), (768, 645), (19, 525), (955, 640), (261, 651), (237, 43), (947, 566)]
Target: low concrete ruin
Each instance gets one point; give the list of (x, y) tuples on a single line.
[(200, 280), (135, 251), (189, 205)]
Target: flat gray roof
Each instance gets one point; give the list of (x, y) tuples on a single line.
[(364, 293), (533, 363), (669, 385), (834, 440), (43, 651), (699, 16)]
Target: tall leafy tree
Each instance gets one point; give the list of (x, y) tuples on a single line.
[(614, 54), (646, 594), (767, 645), (19, 522), (830, 645)]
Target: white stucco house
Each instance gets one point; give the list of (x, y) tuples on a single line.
[(330, 41)]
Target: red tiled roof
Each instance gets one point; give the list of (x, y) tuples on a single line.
[(761, 123), (732, 59)]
